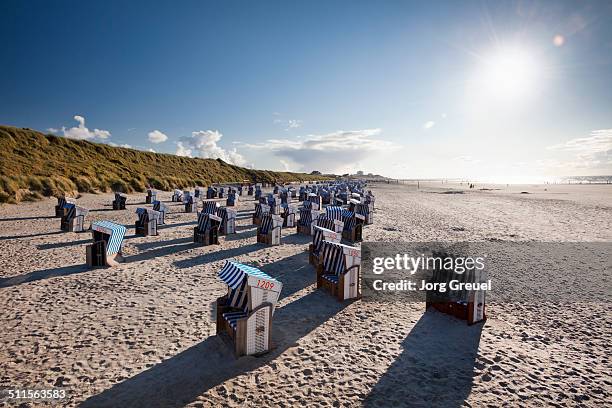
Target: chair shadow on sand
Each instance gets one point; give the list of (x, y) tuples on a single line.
[(180, 379), (40, 217), (435, 368), (42, 274)]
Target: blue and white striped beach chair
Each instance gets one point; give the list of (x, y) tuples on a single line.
[(210, 206), (73, 219), (146, 224), (232, 199), (245, 312), (60, 209), (207, 230), (353, 226), (191, 204), (339, 270), (119, 201), (361, 207), (228, 220), (151, 195), (313, 201), (177, 196), (319, 235), (274, 202), (161, 208), (211, 193), (260, 210), (269, 232), (258, 191), (250, 190), (106, 249), (289, 212), (304, 224)]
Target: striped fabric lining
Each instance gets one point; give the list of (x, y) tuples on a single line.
[(334, 212), (74, 210), (207, 221), (318, 238), (348, 217), (267, 224), (326, 222), (210, 207), (116, 233), (334, 261), (305, 217), (261, 209), (233, 273), (238, 297)]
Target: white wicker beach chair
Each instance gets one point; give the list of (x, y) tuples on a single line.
[(191, 204), (73, 219), (260, 210), (319, 235), (119, 201), (228, 220), (353, 226), (245, 312), (106, 249), (151, 196), (269, 232), (207, 230), (161, 208), (177, 196), (307, 216), (339, 270), (60, 209), (146, 224), (289, 213)]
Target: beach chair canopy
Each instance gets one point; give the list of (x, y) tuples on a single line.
[(210, 207), (269, 222), (324, 234), (74, 210), (335, 256), (334, 212), (234, 274), (207, 221), (261, 209), (115, 233)]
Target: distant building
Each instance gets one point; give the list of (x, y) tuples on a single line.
[(360, 173)]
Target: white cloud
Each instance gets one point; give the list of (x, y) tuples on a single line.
[(52, 130), (592, 152), (203, 144), (598, 141), (331, 152), (152, 151), (80, 132), (293, 124), (429, 124), (157, 137)]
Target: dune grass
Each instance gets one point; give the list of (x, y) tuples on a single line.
[(34, 165)]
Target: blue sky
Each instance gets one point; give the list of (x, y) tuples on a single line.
[(406, 89)]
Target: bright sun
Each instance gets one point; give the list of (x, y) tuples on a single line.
[(508, 74)]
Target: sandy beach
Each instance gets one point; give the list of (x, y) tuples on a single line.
[(142, 334)]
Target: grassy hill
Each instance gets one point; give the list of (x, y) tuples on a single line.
[(33, 165)]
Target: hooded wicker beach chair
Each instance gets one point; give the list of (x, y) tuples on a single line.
[(161, 208), (245, 312), (269, 232), (307, 216), (177, 196), (211, 193), (146, 224), (319, 235), (119, 201), (260, 210), (60, 209), (106, 248), (315, 201), (339, 270), (151, 196), (257, 191), (228, 220), (73, 219), (353, 226), (207, 230), (362, 208), (274, 202), (250, 190), (288, 213), (232, 199), (191, 204), (210, 206), (465, 304)]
